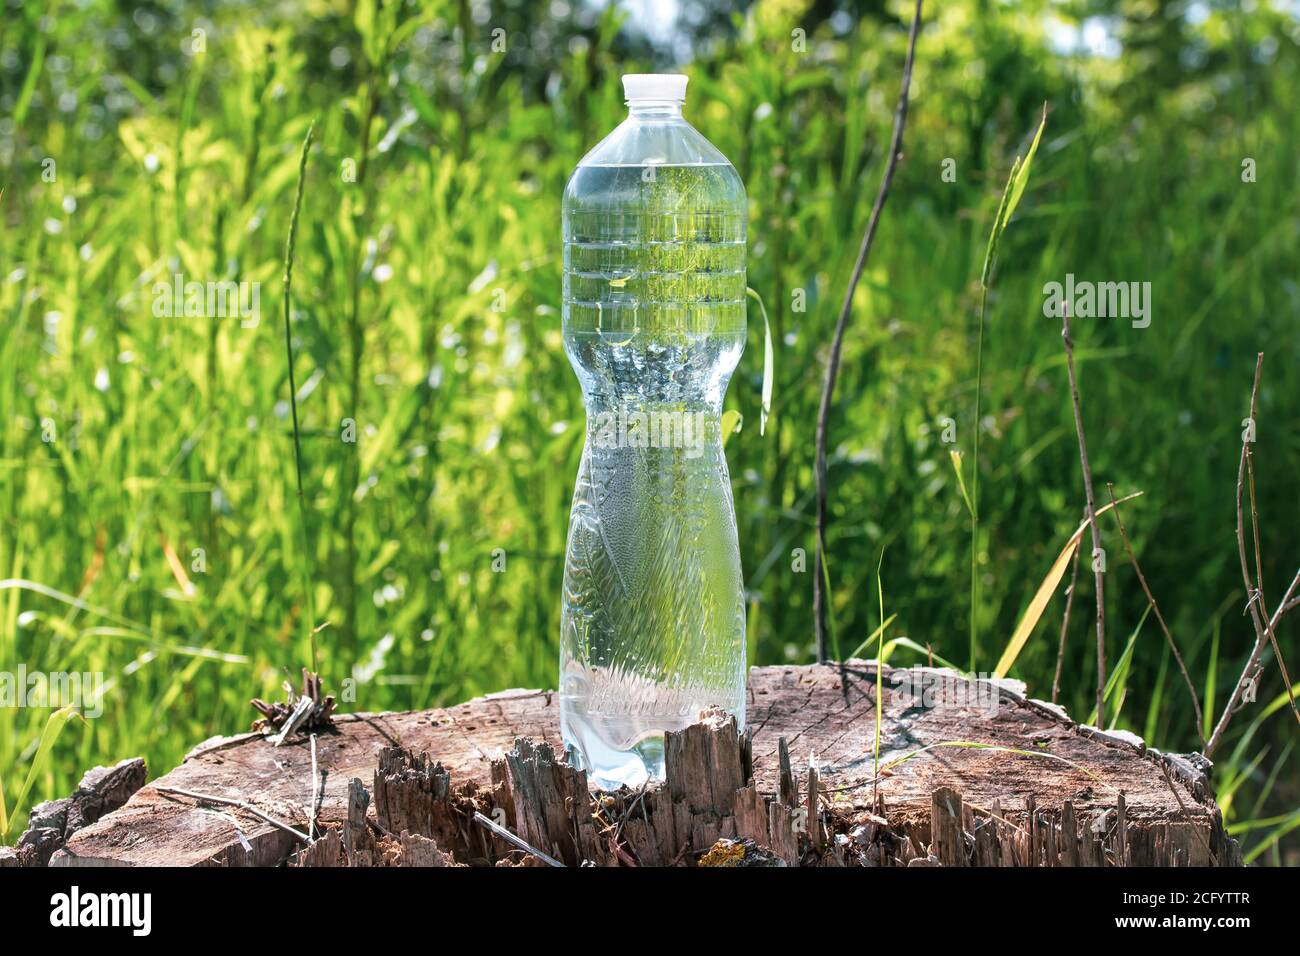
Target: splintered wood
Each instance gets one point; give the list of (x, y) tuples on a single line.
[(50, 824), (484, 784), (309, 710)]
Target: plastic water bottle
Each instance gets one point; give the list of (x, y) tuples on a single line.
[(653, 623)]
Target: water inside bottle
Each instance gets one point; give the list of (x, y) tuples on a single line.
[(653, 620)]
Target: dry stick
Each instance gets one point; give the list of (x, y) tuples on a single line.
[(238, 804), (316, 792), (509, 837), (1245, 679), (1092, 513), (1255, 602), (1065, 622), (1128, 546), (1260, 614), (837, 341), (1205, 840)]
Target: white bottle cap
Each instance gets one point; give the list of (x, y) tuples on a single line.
[(654, 86)]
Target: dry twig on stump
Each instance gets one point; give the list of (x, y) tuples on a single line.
[(305, 711)]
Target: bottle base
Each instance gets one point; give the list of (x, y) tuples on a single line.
[(622, 750), (609, 769)]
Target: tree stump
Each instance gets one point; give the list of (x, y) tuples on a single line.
[(967, 773), (50, 824)]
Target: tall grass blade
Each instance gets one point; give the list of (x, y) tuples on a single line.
[(912, 645), (1011, 194), (1211, 683), (955, 457), (1034, 612), (880, 670), (1118, 680), (289, 245), (1286, 825), (54, 725), (832, 627), (1267, 789), (874, 635), (769, 363)]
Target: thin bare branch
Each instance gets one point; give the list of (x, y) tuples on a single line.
[(832, 366), (1259, 610), (317, 792), (1151, 599), (514, 840), (1065, 621), (1264, 626), (1249, 673), (1187, 815), (1092, 513), (238, 804)]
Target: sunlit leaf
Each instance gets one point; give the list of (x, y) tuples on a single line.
[(768, 363), (732, 421), (1015, 188), (53, 727), (1020, 175), (956, 456), (1029, 620)]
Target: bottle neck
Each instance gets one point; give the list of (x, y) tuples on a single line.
[(654, 110)]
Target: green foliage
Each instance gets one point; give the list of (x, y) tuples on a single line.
[(40, 764), (424, 312), (1017, 180), (768, 362)]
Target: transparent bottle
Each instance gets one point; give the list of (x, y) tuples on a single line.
[(653, 622)]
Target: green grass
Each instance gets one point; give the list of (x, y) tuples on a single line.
[(424, 311)]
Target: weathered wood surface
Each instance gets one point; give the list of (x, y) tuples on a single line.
[(999, 808), (101, 791)]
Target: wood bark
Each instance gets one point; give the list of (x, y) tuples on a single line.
[(798, 787), (50, 824)]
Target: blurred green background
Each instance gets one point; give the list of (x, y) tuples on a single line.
[(149, 525)]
